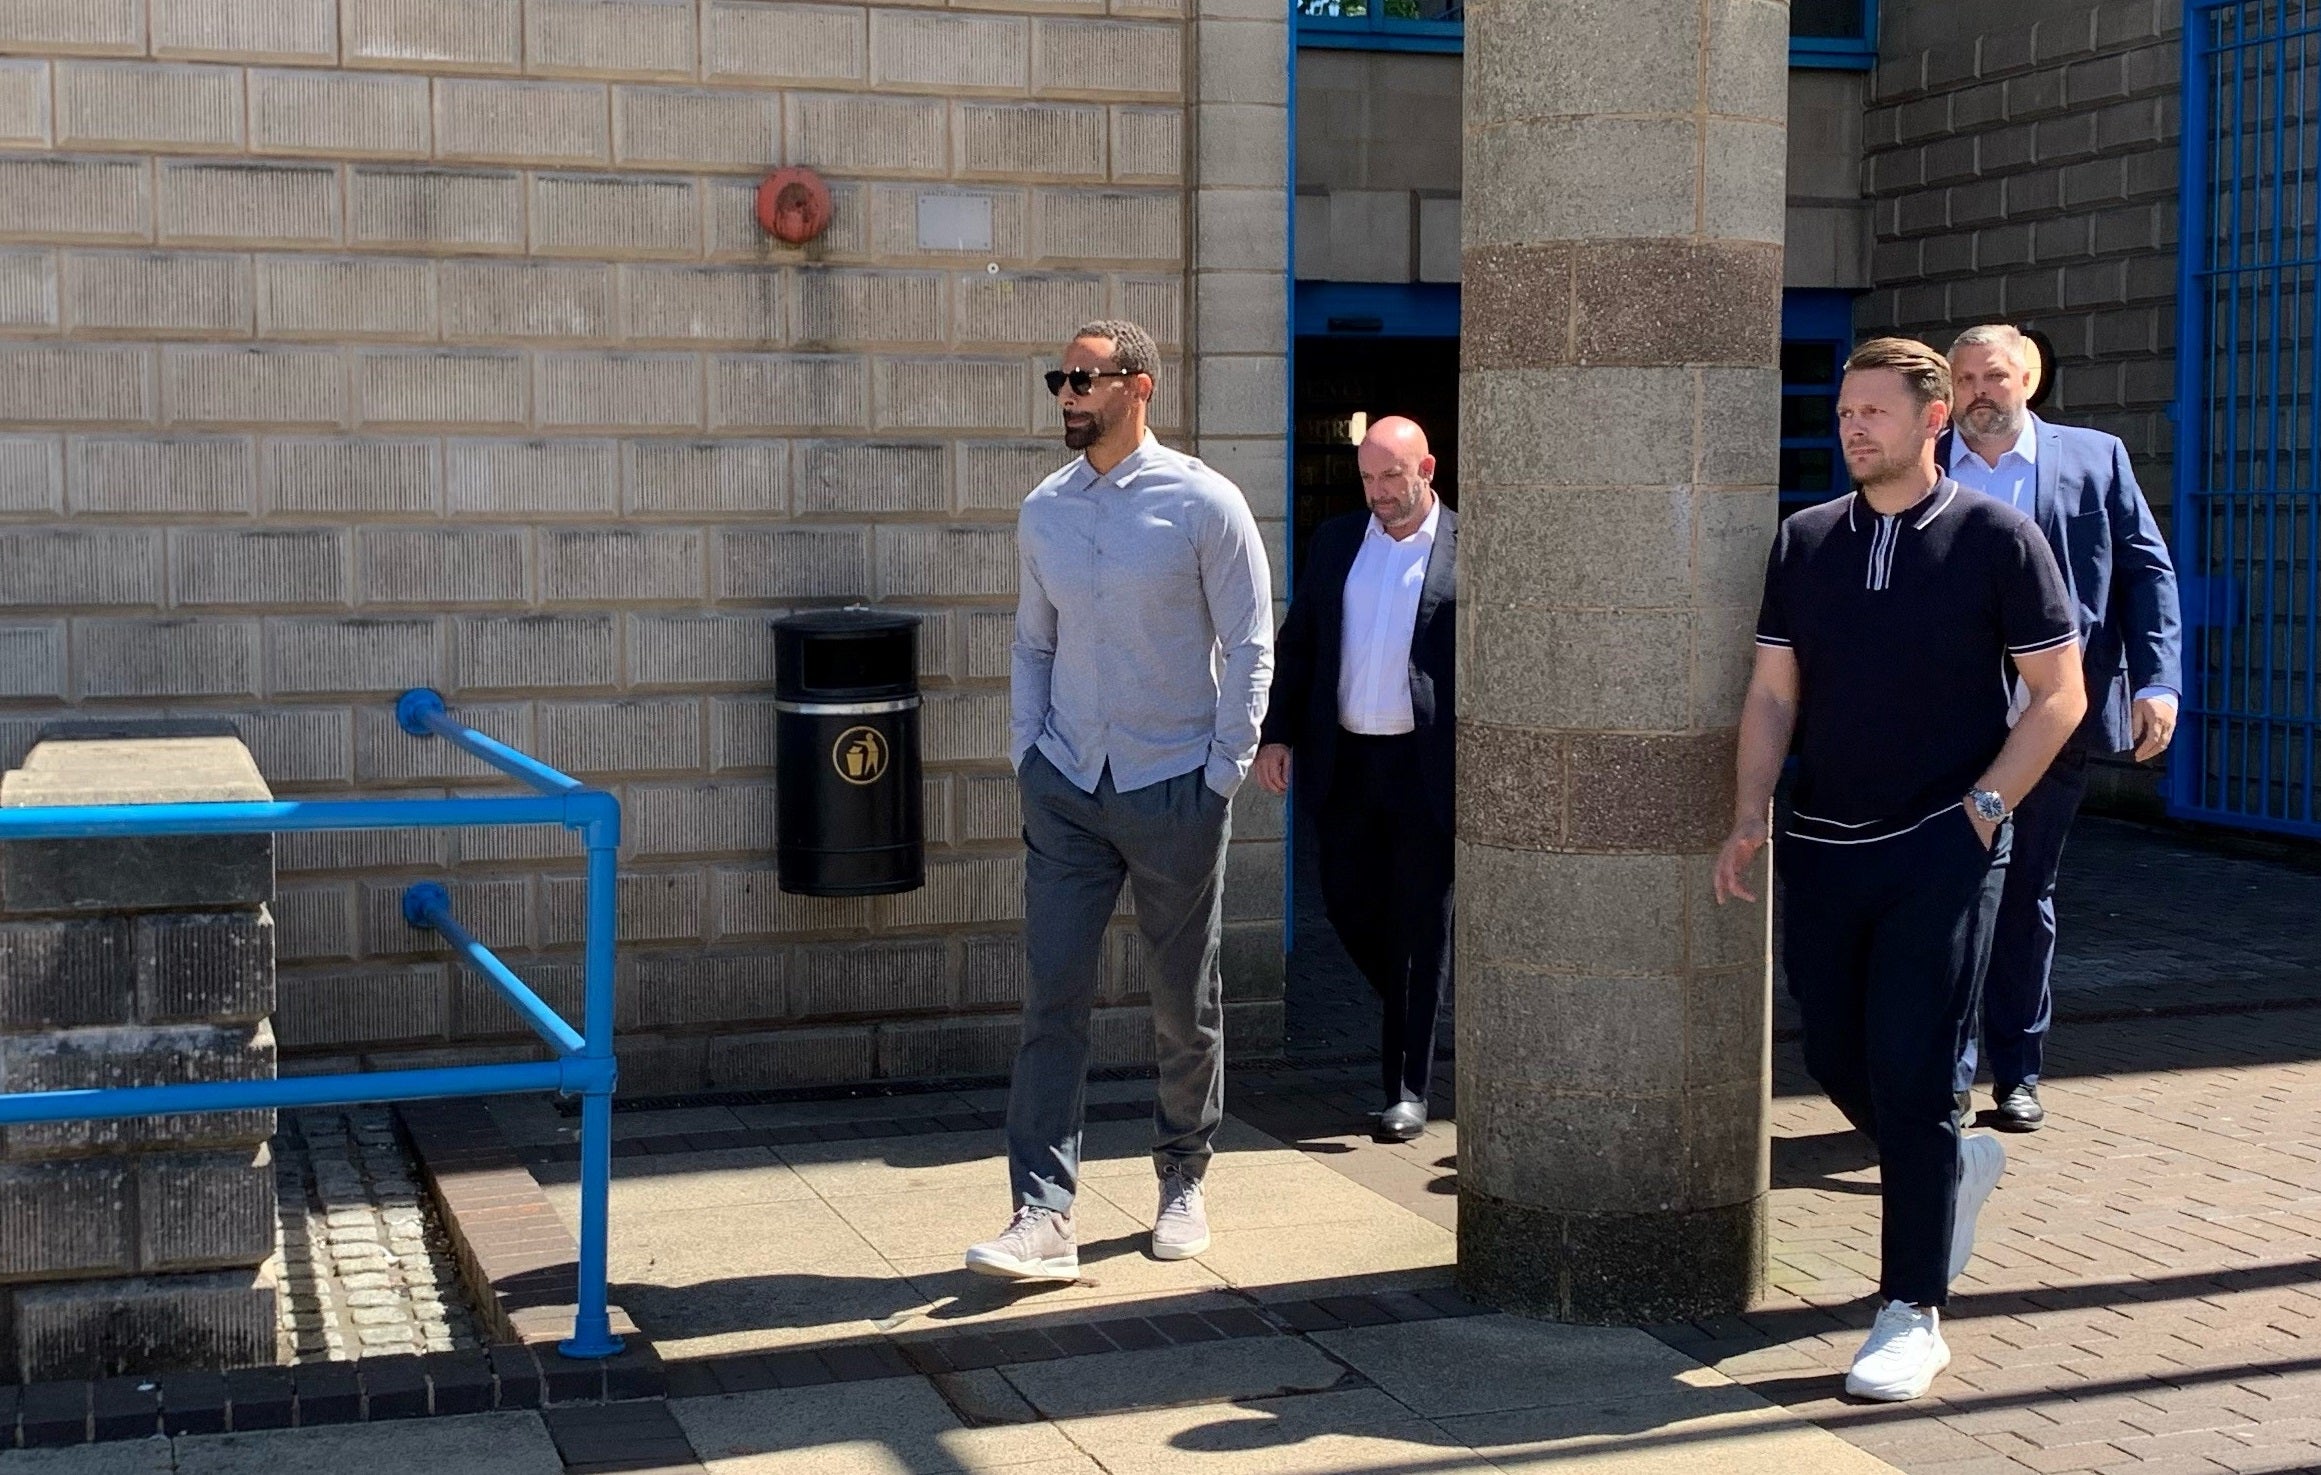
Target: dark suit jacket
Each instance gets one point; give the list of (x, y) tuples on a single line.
[(2117, 564), (1304, 708)]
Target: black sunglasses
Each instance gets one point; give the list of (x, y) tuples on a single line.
[(1083, 380)]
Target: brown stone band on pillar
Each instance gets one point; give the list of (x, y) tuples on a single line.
[(1636, 302), (1523, 789), (1610, 1269)]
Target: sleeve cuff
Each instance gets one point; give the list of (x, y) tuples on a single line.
[(2167, 694)]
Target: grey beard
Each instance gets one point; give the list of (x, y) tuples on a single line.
[(2009, 427)]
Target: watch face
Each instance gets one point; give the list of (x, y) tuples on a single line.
[(1990, 806)]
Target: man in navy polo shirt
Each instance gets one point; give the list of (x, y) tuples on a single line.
[(1894, 621)]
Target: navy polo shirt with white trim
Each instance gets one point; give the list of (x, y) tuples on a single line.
[(1905, 627)]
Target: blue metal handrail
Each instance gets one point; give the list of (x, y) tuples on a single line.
[(585, 1065)]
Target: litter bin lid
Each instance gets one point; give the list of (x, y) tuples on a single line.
[(849, 653)]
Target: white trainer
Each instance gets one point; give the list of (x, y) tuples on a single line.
[(1038, 1244), (1902, 1356), (1981, 1159), (1180, 1230)]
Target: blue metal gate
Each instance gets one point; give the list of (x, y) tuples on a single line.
[(2248, 416)]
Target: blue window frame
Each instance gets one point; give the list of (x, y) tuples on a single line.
[(1817, 332), (1837, 35)]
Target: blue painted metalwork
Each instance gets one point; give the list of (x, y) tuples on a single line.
[(1376, 310), (585, 1065), (1857, 52), (1817, 332), (1366, 25), (2248, 417)]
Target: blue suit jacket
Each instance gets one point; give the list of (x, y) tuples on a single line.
[(2117, 564)]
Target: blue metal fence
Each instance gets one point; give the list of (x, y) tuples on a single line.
[(583, 1063), (2248, 416)]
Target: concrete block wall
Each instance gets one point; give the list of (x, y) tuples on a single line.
[(148, 1244), (352, 344), (2022, 159)]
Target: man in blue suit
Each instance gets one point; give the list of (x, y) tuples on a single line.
[(2078, 486)]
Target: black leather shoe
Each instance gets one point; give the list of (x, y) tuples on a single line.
[(1402, 1122), (2019, 1110)]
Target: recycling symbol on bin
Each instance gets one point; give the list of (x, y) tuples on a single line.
[(860, 755)]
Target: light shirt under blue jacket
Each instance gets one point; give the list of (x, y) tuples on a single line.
[(1143, 625)]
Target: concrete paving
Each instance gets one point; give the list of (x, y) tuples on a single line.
[(473, 1444)]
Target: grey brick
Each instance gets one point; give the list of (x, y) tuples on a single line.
[(268, 30), (488, 120), (1031, 308), (218, 566), (308, 657), (196, 966), (61, 1220), (142, 1055), (159, 293), (470, 386), (205, 1211), (597, 737), (497, 910), (88, 1329), (82, 567), (891, 976), (32, 660), (578, 477), (1148, 145), (689, 477), (615, 216), (64, 974), (88, 384), (704, 304), (385, 753), (28, 296), (1087, 57), (949, 52), (620, 390), (639, 37), (741, 733), (344, 298), (300, 746), (31, 473), (984, 888), (621, 565), (990, 635), (868, 134), (165, 658), (652, 906), (691, 990), (695, 650), (362, 850), (697, 127), (185, 109), (873, 476), (744, 40), (441, 565), (181, 474), (516, 651), (953, 394), (793, 1057), (472, 210), (791, 563), (785, 391), (475, 35), (702, 819), (990, 808), (24, 111), (952, 561), (352, 476), (751, 903), (996, 476), (264, 204), (249, 384), (1007, 140), (993, 970), (936, 1049), (341, 114), (869, 307), (1110, 225), (78, 199), (91, 27), (965, 725), (491, 299), (365, 1008)]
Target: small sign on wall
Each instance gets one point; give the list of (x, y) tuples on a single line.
[(949, 222)]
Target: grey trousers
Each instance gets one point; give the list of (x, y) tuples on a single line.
[(1168, 842)]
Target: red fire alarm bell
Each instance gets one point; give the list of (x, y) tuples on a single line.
[(794, 205)]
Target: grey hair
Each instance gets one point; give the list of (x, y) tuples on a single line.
[(2005, 338), (1132, 347)]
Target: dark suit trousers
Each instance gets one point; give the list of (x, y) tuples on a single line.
[(1386, 884), (2018, 1000)]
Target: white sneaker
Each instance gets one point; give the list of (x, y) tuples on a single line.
[(1180, 1230), (1981, 1159), (1904, 1352), (1038, 1244)]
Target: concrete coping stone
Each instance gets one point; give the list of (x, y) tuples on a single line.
[(106, 765)]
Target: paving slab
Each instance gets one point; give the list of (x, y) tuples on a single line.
[(1358, 1432), (890, 1426), (1210, 1372), (471, 1444), (1486, 1364), (726, 1178), (141, 1457), (1662, 1435)]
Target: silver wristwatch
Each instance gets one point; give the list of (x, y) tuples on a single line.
[(1988, 804)]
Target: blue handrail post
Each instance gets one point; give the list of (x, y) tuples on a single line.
[(591, 1324)]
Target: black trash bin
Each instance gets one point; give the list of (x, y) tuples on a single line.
[(846, 753)]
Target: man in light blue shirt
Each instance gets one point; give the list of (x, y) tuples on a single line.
[(2077, 485), (1143, 652)]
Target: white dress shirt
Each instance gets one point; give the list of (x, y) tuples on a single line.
[(2015, 481), (1381, 611)]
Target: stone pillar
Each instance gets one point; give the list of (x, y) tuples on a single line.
[(148, 1244), (1619, 418)]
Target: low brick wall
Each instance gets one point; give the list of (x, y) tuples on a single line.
[(146, 1244)]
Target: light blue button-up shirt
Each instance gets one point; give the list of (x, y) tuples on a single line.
[(1144, 624)]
